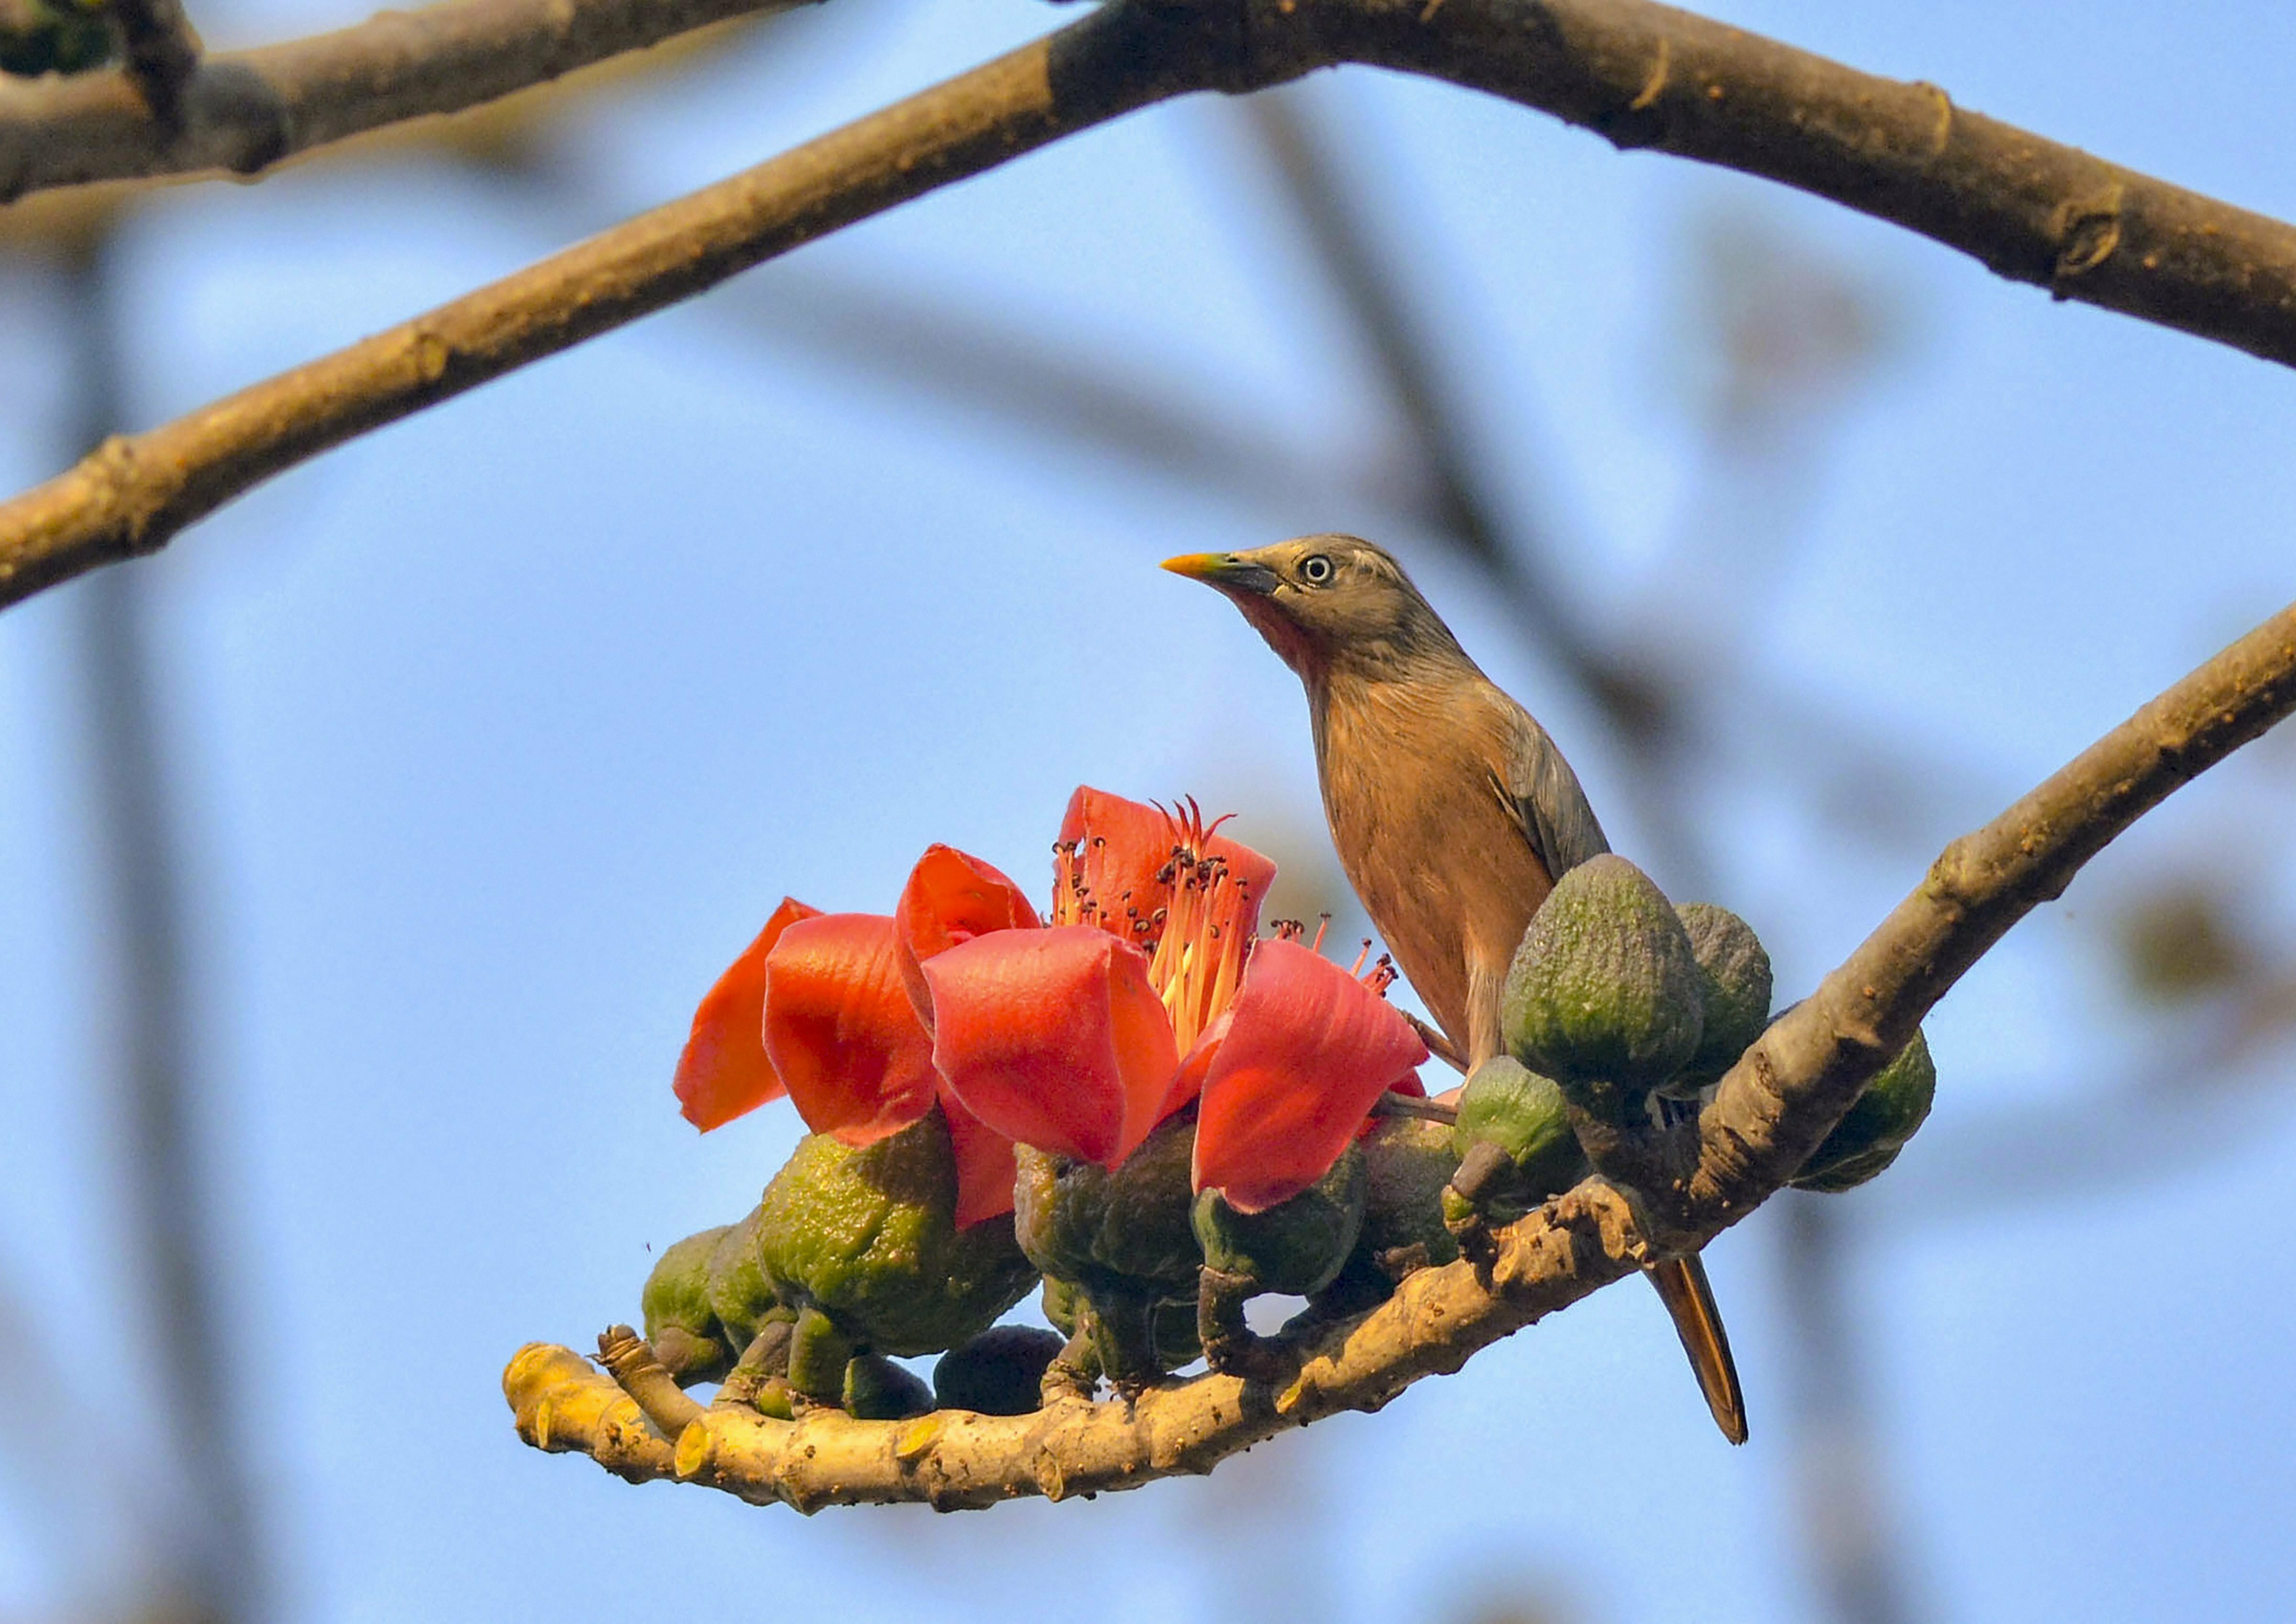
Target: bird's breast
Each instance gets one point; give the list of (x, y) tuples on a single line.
[(1446, 875)]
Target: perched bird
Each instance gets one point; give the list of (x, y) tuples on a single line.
[(1452, 811)]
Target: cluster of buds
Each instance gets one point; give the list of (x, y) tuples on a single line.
[(1139, 1099), (1621, 1012)]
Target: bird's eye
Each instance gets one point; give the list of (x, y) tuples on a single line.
[(1315, 569)]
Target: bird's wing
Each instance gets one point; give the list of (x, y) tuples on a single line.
[(1539, 792)]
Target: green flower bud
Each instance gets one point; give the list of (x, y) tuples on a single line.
[(1604, 989), (1869, 1138), (1295, 1247), (1408, 1161), (740, 1294), (876, 1389), (679, 1322), (869, 1237), (1733, 970), (1122, 1240), (1001, 1372), (1127, 1230), (1508, 1105)]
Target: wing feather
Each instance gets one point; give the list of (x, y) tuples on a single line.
[(1540, 793)]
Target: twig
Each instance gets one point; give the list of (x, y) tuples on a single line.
[(1643, 75), (1771, 1110), (133, 494), (244, 111)]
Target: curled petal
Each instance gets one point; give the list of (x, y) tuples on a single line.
[(839, 1031), (1249, 874), (951, 897), (985, 1167), (1310, 1048), (724, 1070), (1122, 849), (1053, 1038)]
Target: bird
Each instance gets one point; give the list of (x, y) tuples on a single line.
[(1452, 811)]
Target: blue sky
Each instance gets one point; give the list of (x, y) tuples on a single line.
[(497, 732)]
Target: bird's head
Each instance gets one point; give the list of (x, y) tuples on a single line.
[(1329, 603)]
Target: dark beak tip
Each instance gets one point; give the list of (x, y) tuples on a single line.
[(1224, 571)]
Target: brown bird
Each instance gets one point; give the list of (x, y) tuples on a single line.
[(1452, 811)]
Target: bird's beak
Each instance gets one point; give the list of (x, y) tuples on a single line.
[(1226, 571)]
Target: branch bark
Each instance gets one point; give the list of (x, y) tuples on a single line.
[(1770, 1112), (133, 494), (1641, 74), (245, 110)]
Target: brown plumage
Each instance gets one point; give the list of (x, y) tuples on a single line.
[(1451, 809)]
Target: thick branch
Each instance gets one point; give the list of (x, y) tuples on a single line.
[(1772, 1109), (1641, 74), (132, 493), (246, 110), (1793, 1085), (953, 1460)]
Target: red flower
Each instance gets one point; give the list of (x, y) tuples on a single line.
[(817, 1009), (1151, 988), (1148, 988)]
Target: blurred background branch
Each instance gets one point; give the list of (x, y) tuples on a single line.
[(246, 110)]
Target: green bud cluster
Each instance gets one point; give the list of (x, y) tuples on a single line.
[(1123, 1251), (857, 1253), (1614, 996), (40, 37)]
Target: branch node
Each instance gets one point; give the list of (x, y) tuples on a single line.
[(1654, 84), (1941, 136), (2087, 230), (696, 1447)]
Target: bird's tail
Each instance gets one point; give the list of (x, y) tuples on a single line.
[(1683, 1286)]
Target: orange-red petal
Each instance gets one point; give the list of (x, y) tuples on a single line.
[(1123, 847), (1310, 1048), (1053, 1038), (724, 1070), (985, 1169), (951, 897), (839, 1031), (1196, 1064)]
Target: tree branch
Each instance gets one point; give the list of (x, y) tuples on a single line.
[(132, 493), (245, 110), (1642, 74), (1771, 1111)]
